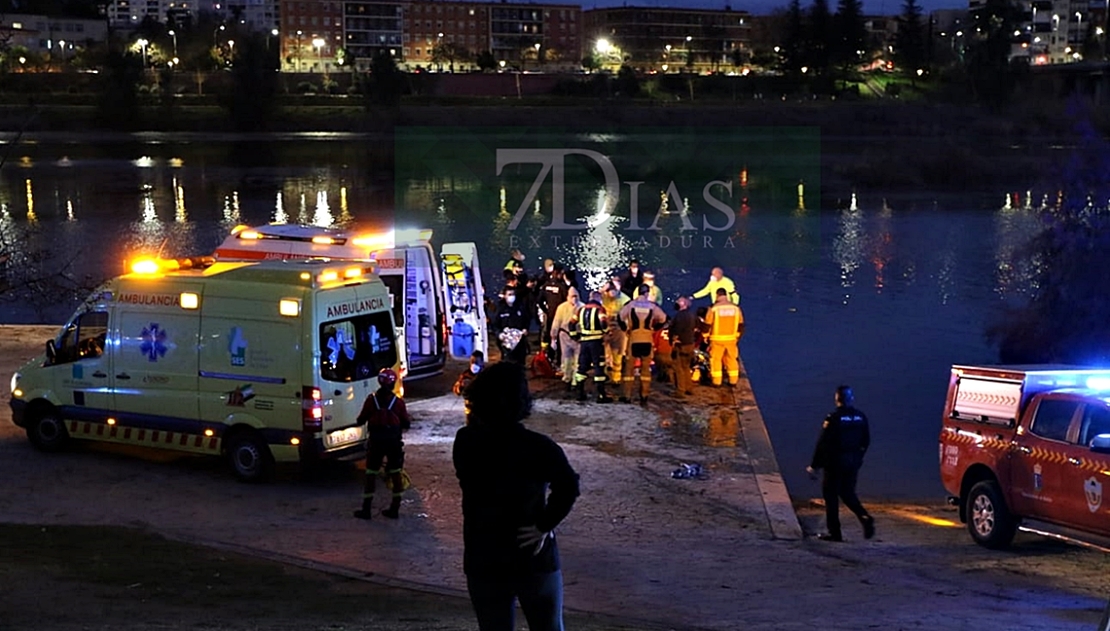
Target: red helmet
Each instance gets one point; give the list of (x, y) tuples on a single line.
[(387, 377)]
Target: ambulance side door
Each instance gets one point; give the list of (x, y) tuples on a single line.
[(463, 296), (155, 373), (82, 366)]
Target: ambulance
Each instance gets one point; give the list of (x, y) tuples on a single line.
[(438, 301), (260, 363)]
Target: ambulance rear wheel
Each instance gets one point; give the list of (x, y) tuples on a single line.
[(47, 432), (250, 457), (988, 519)]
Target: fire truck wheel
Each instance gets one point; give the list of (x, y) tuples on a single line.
[(48, 432), (988, 519), (250, 456)]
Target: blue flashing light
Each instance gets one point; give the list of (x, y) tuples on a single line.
[(1098, 383)]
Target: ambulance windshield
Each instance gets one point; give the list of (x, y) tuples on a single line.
[(356, 348)]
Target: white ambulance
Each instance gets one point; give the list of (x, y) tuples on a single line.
[(438, 301), (260, 362)]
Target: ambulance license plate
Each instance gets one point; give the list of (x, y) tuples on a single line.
[(345, 436)]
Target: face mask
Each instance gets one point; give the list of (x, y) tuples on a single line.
[(649, 283), (474, 368), (633, 269), (549, 269), (510, 299)]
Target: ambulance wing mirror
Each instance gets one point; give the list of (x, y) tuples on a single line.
[(51, 352), (1101, 444)]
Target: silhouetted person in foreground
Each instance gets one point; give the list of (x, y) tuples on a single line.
[(509, 517)]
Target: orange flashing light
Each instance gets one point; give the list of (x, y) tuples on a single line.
[(145, 266), (328, 276), (321, 240), (250, 234), (352, 272)]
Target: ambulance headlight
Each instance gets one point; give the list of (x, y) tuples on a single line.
[(15, 385)]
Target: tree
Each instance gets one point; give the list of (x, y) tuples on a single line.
[(383, 86), (992, 72), (485, 61), (850, 34), (818, 37), (1064, 320), (118, 100), (910, 47), (628, 84), (591, 62), (254, 84), (792, 50)]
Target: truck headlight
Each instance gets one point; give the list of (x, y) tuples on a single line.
[(15, 385)]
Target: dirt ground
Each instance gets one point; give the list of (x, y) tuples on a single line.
[(642, 548)]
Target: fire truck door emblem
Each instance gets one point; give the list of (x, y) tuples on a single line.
[(1092, 488)]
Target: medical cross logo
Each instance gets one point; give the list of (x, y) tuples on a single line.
[(154, 342)]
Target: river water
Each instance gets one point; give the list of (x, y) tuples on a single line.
[(883, 293)]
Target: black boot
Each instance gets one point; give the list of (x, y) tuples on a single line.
[(868, 526), (365, 512), (581, 389), (394, 506), (601, 396)]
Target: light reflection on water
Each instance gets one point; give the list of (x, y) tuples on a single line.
[(883, 296)]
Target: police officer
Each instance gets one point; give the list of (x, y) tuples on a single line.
[(552, 294), (640, 319), (844, 440), (591, 322), (726, 326)]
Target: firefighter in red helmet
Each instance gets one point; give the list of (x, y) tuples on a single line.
[(386, 417)]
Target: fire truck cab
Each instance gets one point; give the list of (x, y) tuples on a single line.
[(1028, 447), (437, 300)]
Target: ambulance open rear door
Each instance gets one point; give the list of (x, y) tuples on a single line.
[(464, 300)]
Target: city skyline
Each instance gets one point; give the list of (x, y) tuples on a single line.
[(763, 7)]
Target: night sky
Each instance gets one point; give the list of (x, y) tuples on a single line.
[(759, 7)]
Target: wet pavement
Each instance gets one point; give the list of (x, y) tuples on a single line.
[(717, 553)]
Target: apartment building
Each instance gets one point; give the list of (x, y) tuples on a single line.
[(58, 37), (669, 39)]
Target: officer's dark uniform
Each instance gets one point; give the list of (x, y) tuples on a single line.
[(592, 322), (552, 294), (844, 440)]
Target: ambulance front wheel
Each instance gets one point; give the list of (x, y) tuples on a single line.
[(250, 456), (988, 519), (47, 431)]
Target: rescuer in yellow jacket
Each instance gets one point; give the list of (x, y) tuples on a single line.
[(718, 280), (726, 325)]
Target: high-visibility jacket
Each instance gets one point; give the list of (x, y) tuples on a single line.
[(713, 285), (592, 322), (724, 320), (641, 318)]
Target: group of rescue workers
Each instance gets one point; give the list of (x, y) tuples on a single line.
[(620, 334)]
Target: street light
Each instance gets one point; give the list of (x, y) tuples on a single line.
[(299, 33), (142, 45), (537, 47), (216, 34), (173, 34), (318, 44), (231, 50)]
